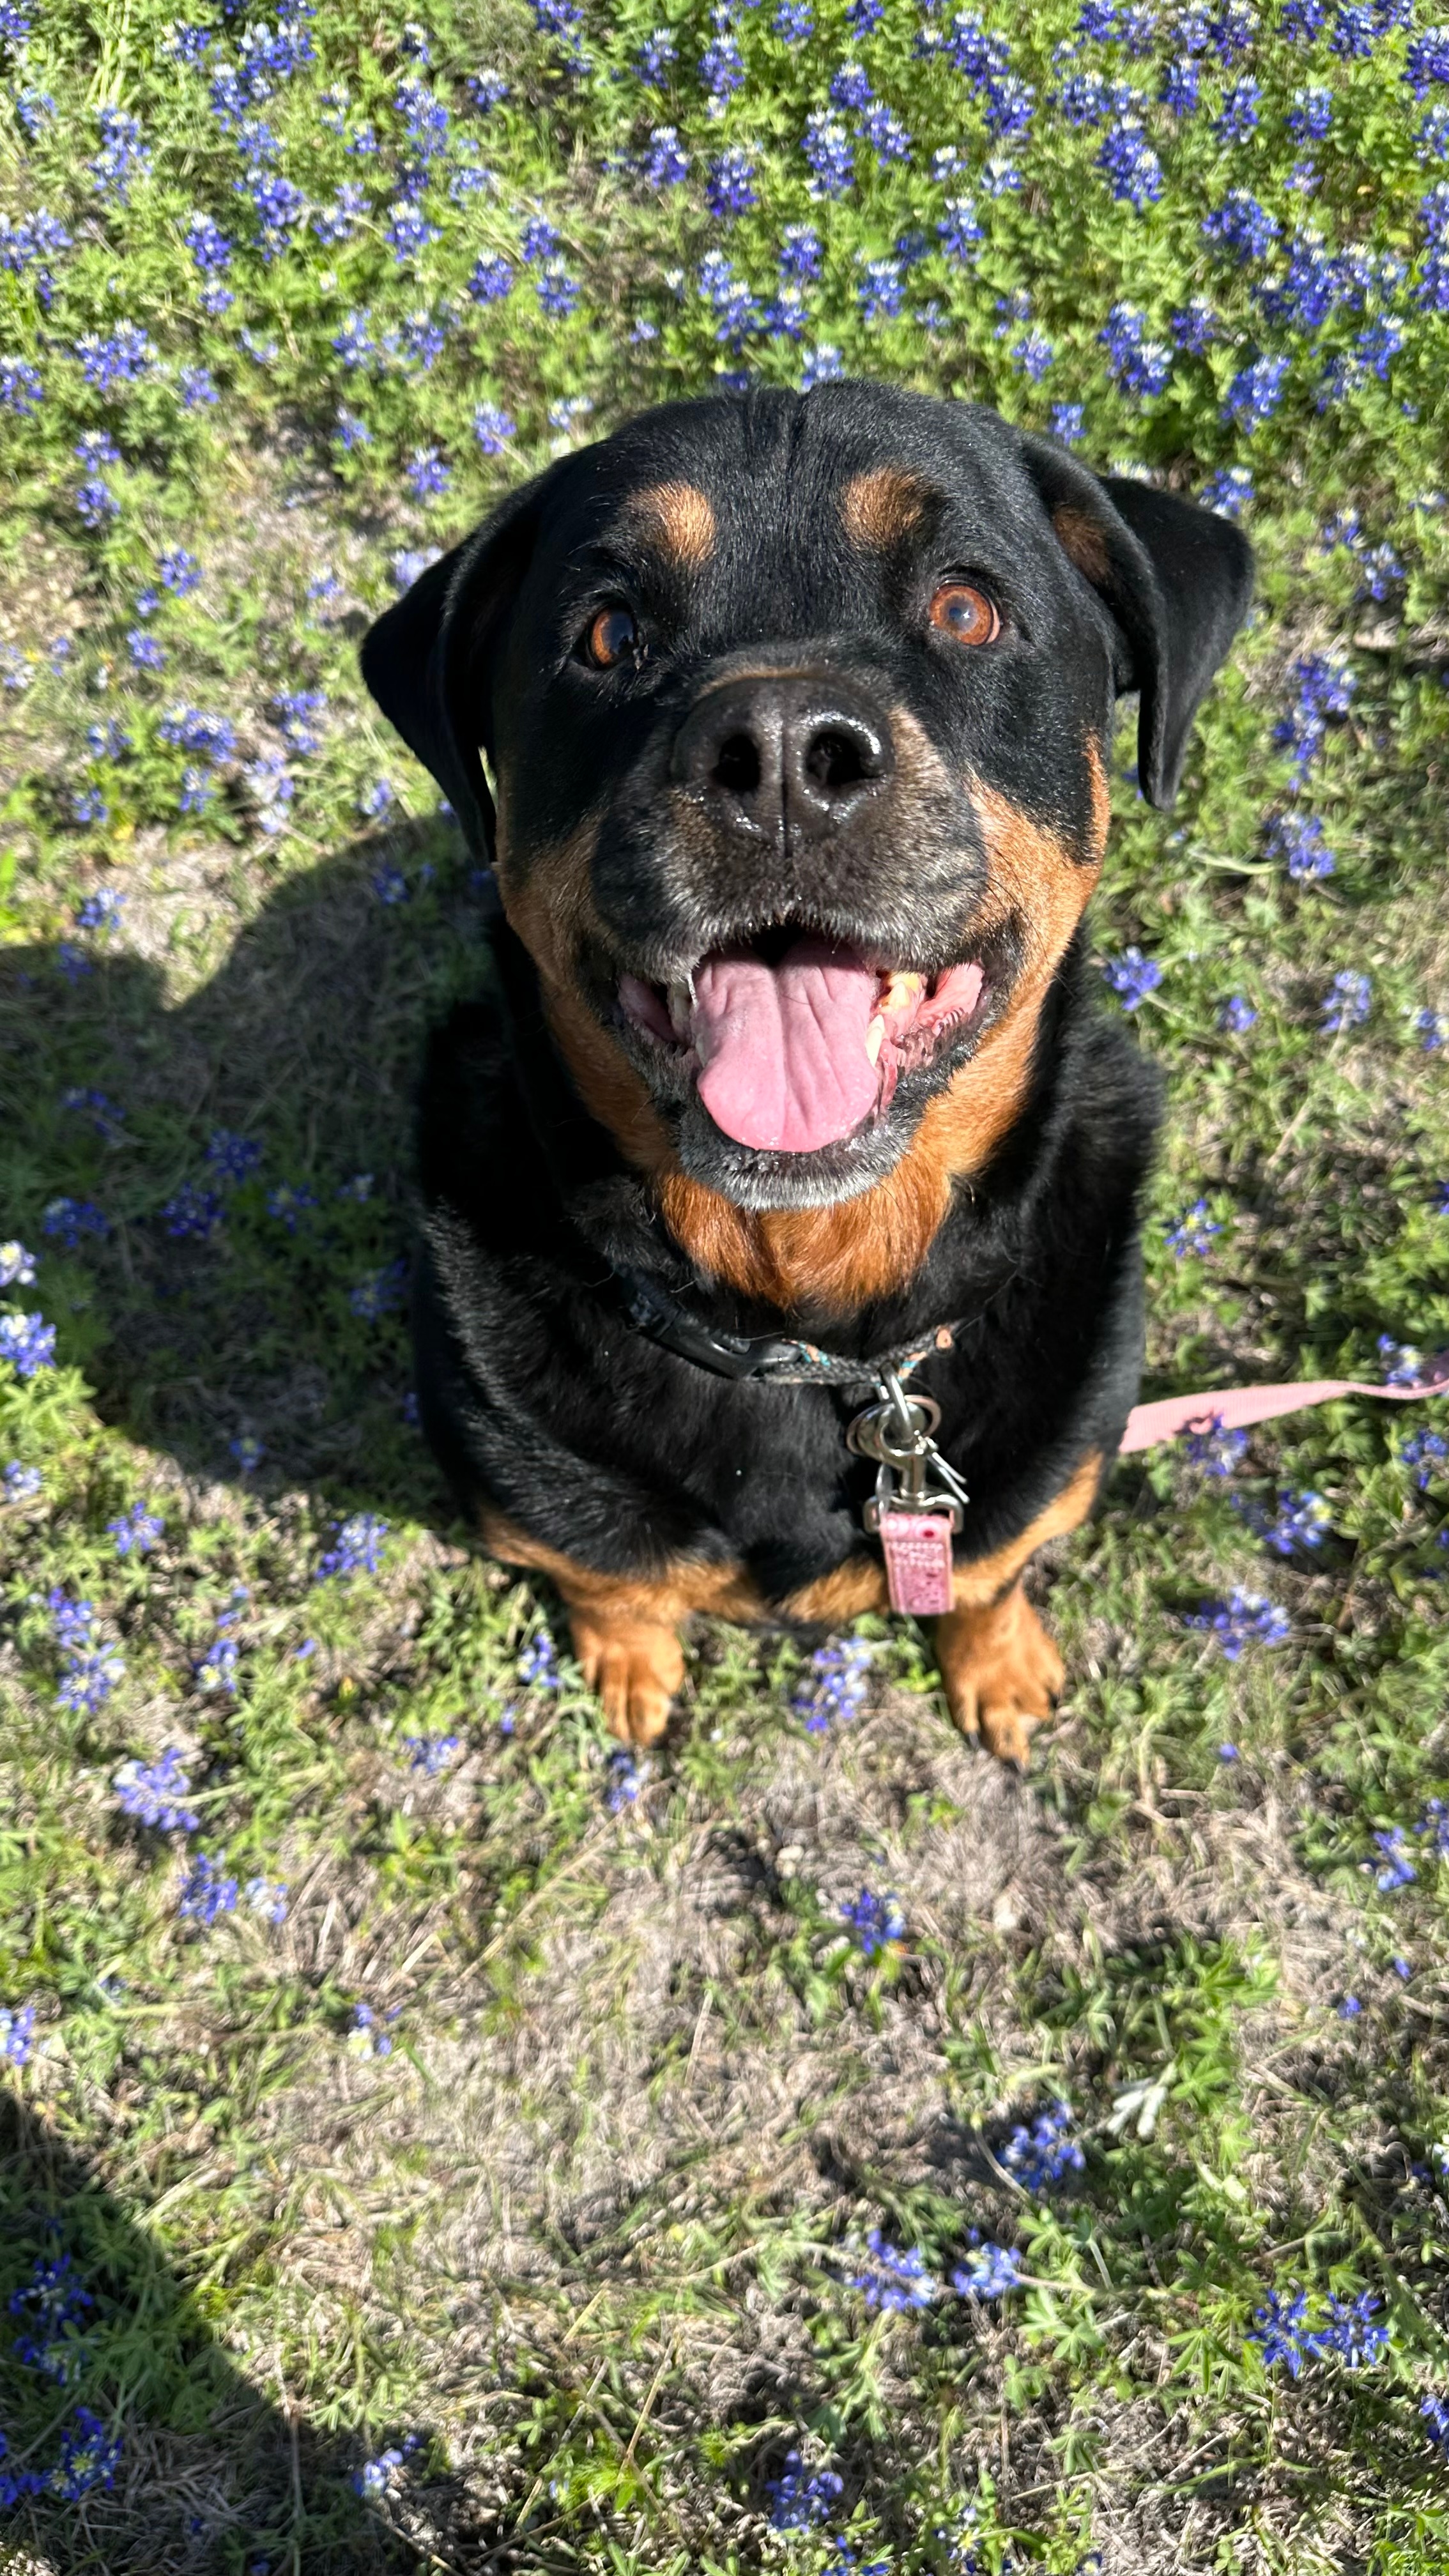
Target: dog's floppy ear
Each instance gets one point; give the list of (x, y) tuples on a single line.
[(1177, 581), (427, 660)]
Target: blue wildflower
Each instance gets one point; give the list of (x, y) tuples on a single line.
[(876, 1921), (1192, 1232), (193, 1214), (1132, 977), (155, 1793), (1244, 1619), (989, 2272), (28, 1343), (136, 1531), (894, 2282), (1347, 1001), (206, 1892), (356, 1547), (802, 2500), (1044, 2151)]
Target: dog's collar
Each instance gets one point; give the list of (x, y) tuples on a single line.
[(652, 1311)]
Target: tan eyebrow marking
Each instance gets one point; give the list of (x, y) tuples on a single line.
[(1083, 542), (881, 507), (682, 519)]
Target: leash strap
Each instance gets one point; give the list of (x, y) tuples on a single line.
[(653, 1312), (1232, 1408)]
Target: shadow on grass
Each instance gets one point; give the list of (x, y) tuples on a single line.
[(279, 1317), (208, 2474)]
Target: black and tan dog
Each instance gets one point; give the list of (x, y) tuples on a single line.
[(797, 711)]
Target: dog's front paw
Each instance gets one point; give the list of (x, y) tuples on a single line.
[(636, 1666), (1002, 1673)]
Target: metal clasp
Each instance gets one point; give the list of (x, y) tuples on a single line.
[(912, 1474)]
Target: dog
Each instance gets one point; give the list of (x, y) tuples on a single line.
[(789, 1087)]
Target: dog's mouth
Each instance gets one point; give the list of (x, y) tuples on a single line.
[(796, 1040)]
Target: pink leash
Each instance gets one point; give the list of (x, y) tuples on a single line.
[(1232, 1408)]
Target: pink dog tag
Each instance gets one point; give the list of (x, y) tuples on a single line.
[(918, 1561)]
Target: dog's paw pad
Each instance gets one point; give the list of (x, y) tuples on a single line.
[(1002, 1675), (636, 1670)]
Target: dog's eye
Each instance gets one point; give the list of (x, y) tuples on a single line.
[(610, 636), (965, 614)]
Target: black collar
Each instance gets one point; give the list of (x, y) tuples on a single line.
[(650, 1310)]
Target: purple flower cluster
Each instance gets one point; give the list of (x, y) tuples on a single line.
[(1132, 977), (1244, 1619), (836, 1683), (91, 1665), (356, 1547), (1043, 2151), (802, 2499), (28, 1343), (538, 1663), (989, 2271), (1193, 1231), (1344, 2331), (876, 1921), (894, 2282), (207, 1892), (155, 1793)]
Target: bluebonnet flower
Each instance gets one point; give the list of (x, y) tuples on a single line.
[(729, 187), (1426, 59), (354, 342), (1431, 140), (1255, 393), (197, 388), (431, 1754), (290, 1202), (206, 1892), (366, 2037), (1238, 116), (216, 1669), (836, 1684), (1403, 1365), (356, 1547), (1435, 2412), (193, 1213), (1180, 87), (17, 1266), (296, 712), (863, 17), (538, 1664), (52, 2307), (279, 205), (1347, 1001), (794, 20), (801, 2499), (558, 293), (876, 1921), (492, 428), (1227, 1753), (1244, 1619), (1044, 2151), (377, 2477), (1305, 293), (1132, 977), (247, 1451), (21, 1483), (1426, 1452), (666, 162), (1215, 1449), (155, 1793), (267, 1897), (427, 474), (829, 153), (800, 255), (28, 1343), (1140, 365), (209, 246), (190, 729), (656, 59), (894, 2282), (881, 290), (850, 88), (1396, 1870), (1355, 31), (21, 387), (377, 801), (1434, 1824), (823, 365), (122, 156), (959, 230), (17, 2024), (988, 2272), (69, 1219), (1195, 325), (721, 68), (887, 137), (1278, 2331), (1325, 688), (89, 2458), (1298, 840), (1130, 163), (1311, 113), (1346, 2334), (1242, 226), (381, 1292), (410, 565), (1033, 354), (196, 792), (103, 1113), (390, 885), (1068, 422), (1193, 1231), (136, 1531), (624, 1777), (1301, 1519), (1229, 492), (407, 231), (1382, 573)]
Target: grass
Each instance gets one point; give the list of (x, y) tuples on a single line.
[(529, 2122)]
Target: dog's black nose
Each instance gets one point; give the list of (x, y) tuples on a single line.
[(795, 756)]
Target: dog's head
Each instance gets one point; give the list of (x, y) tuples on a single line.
[(797, 711)]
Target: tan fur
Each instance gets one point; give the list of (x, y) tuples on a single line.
[(1000, 1668), (879, 509), (1082, 540), (681, 522), (992, 1649)]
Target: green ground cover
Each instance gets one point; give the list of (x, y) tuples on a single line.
[(431, 2137)]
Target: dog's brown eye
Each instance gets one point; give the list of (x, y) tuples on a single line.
[(965, 614), (612, 634)]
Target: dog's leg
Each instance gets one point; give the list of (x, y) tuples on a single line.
[(1001, 1670), (626, 1626)]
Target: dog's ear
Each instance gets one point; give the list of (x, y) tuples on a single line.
[(1177, 581), (428, 660)]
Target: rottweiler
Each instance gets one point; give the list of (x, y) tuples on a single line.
[(780, 1187)]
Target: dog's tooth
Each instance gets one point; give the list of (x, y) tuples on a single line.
[(875, 1038), (680, 998), (902, 988)]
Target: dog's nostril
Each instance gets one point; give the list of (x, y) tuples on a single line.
[(737, 764), (835, 760)]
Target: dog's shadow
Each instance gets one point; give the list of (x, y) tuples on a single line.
[(135, 2442), (220, 1312)]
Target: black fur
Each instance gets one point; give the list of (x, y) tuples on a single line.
[(535, 1392)]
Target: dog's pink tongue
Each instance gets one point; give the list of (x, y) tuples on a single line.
[(783, 1047)]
